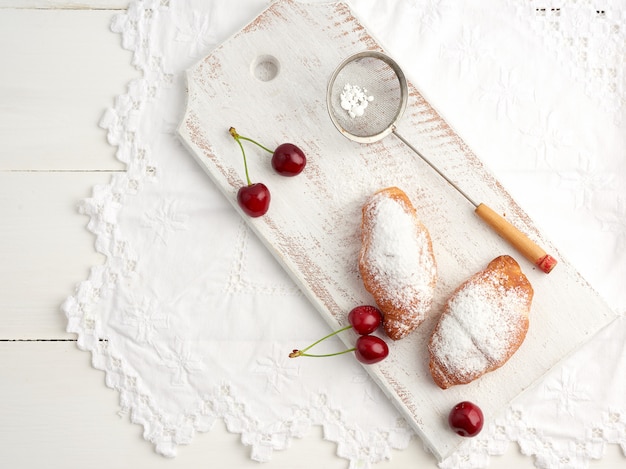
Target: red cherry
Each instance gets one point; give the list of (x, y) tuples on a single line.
[(466, 419), (254, 199), (365, 319), (371, 349), (368, 349), (288, 160)]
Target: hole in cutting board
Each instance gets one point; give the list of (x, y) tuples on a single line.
[(265, 67)]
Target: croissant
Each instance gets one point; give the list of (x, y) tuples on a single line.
[(483, 324), (396, 261)]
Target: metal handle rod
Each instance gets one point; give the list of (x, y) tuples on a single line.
[(515, 237), (427, 161)]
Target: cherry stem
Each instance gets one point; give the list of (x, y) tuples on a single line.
[(236, 136), (239, 138), (256, 143), (302, 353)]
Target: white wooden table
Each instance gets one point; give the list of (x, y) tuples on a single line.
[(61, 67)]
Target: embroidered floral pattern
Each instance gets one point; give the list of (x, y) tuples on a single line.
[(196, 33), (277, 368), (567, 392), (468, 51), (587, 39), (180, 361), (144, 317), (165, 219)]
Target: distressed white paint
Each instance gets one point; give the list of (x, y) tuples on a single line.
[(313, 224)]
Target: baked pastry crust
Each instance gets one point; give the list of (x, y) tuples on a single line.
[(396, 261), (483, 324)]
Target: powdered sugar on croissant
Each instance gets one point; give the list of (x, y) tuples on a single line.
[(396, 261), (483, 324)]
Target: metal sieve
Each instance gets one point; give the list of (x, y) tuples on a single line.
[(379, 76)]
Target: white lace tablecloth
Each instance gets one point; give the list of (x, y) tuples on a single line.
[(191, 318)]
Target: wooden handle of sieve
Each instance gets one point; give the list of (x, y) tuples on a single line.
[(517, 239)]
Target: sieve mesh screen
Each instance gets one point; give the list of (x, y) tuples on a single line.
[(382, 82)]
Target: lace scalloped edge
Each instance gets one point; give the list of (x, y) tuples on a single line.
[(546, 451), (362, 450)]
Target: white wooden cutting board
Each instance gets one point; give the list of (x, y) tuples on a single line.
[(269, 81)]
